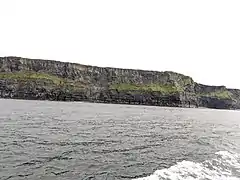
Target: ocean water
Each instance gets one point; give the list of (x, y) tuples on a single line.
[(43, 140)]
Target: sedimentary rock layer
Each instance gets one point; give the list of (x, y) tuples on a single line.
[(22, 78)]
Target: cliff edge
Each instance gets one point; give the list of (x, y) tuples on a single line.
[(22, 78)]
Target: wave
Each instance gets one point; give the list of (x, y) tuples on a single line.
[(224, 166)]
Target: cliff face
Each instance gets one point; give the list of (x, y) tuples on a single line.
[(53, 80)]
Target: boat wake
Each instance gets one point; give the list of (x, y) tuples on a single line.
[(225, 166)]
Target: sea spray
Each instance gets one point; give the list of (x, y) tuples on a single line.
[(225, 166)]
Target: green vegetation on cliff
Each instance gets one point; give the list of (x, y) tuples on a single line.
[(35, 76), (165, 89), (218, 94), (31, 76), (45, 79)]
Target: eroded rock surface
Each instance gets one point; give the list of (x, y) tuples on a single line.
[(23, 78)]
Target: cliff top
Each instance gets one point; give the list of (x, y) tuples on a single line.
[(17, 58), (29, 61)]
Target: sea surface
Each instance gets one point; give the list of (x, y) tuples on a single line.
[(42, 140)]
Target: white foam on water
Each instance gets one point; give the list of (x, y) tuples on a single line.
[(226, 166)]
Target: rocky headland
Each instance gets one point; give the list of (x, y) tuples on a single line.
[(36, 79)]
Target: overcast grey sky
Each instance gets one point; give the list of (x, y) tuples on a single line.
[(199, 38)]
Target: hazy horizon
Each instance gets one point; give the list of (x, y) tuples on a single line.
[(199, 39)]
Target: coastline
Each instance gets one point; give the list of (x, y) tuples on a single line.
[(35, 79)]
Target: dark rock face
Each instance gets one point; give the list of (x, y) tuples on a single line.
[(52, 80)]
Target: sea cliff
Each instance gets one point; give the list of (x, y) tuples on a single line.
[(22, 78)]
